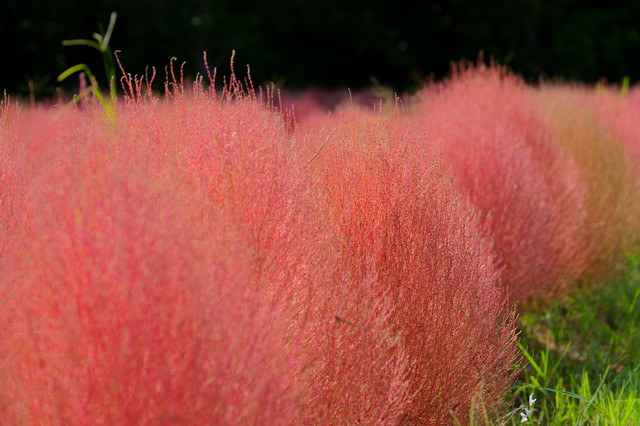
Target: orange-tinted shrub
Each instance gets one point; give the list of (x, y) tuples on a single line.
[(621, 112), (606, 167), (400, 221)]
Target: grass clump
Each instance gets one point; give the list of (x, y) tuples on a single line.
[(584, 357)]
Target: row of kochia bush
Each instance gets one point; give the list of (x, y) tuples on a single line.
[(198, 259)]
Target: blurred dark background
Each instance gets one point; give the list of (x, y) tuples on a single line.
[(299, 43)]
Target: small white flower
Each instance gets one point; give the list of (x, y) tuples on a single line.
[(526, 412)]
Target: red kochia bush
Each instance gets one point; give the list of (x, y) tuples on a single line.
[(401, 221), (126, 299), (241, 153), (9, 187), (527, 188)]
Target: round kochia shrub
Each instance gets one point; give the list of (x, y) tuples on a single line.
[(126, 299), (606, 165), (401, 221), (620, 112), (527, 188)]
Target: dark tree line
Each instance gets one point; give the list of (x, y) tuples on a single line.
[(298, 43)]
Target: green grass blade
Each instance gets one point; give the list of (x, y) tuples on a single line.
[(81, 42), (107, 35), (74, 69), (532, 361)]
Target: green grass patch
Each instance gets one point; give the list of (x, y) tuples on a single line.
[(583, 357)]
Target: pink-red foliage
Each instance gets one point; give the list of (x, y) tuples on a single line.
[(401, 222), (126, 299), (241, 153), (527, 188), (311, 107), (9, 186)]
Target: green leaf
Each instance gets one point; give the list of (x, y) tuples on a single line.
[(566, 393), (81, 42), (107, 35), (74, 69)]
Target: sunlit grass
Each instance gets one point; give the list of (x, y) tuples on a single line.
[(583, 357)]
